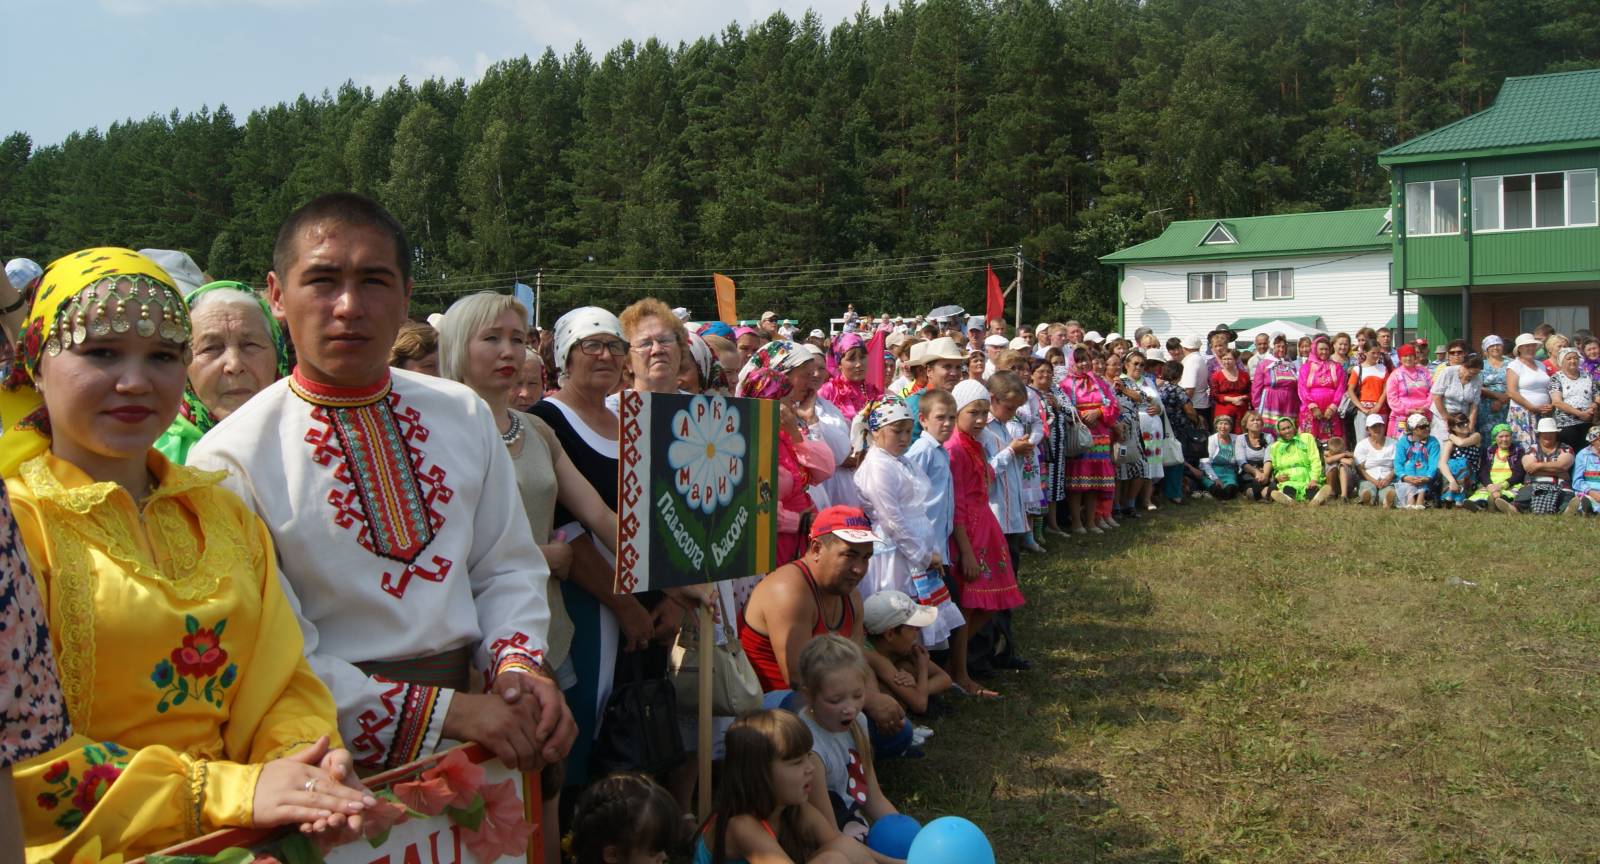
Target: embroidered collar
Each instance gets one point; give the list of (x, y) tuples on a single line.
[(339, 397), (65, 485)]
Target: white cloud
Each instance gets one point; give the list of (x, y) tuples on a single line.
[(603, 24)]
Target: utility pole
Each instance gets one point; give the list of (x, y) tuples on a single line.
[(1019, 287), (538, 294)]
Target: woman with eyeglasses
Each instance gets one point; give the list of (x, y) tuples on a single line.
[(1572, 393), (589, 356), (1457, 389)]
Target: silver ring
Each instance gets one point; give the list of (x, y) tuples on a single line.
[(311, 785)]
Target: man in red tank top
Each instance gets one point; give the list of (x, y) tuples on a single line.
[(810, 596)]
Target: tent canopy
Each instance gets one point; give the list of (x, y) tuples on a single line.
[(1289, 327)]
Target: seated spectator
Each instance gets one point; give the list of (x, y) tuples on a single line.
[(763, 809), (1416, 463), (834, 679), (1374, 464), (1223, 459), (1548, 468), (625, 818), (1459, 461), (1500, 474), (1585, 475), (893, 623), (1254, 447), (1295, 464), (1339, 469)]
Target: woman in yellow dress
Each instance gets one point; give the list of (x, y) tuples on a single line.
[(180, 659)]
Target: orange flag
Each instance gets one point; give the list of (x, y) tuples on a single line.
[(725, 309)]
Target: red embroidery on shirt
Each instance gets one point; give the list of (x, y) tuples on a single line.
[(390, 492), (411, 719)]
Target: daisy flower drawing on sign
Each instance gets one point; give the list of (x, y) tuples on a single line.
[(706, 453)]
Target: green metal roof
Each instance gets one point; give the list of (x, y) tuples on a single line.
[(1263, 236), (1531, 113), (1411, 321)]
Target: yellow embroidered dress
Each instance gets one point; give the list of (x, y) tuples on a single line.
[(180, 659)]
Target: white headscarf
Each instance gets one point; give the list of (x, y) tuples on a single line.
[(968, 392), (580, 324)]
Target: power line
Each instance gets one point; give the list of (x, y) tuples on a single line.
[(771, 280)]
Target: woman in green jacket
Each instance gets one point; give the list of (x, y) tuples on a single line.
[(1295, 465)]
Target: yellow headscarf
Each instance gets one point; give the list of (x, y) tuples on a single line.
[(48, 330)]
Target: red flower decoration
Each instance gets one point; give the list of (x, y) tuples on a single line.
[(57, 772), (201, 654), (428, 797), (504, 830), (96, 780), (378, 819), (461, 776), (48, 801)]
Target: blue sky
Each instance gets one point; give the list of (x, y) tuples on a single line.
[(74, 64)]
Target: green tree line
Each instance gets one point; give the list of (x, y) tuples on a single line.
[(1070, 128)]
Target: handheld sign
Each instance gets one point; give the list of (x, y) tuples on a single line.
[(698, 485), (697, 502)]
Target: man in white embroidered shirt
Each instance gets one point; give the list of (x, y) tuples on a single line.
[(394, 509)]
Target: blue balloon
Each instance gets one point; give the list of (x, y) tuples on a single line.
[(892, 835), (950, 840)]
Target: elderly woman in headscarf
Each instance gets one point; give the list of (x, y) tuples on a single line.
[(702, 369), (238, 349), (1320, 385), (849, 389), (802, 460), (181, 726)]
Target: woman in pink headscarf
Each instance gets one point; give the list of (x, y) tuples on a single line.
[(1320, 389), (802, 461), (849, 389)]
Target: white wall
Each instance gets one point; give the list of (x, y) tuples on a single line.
[(1348, 294)]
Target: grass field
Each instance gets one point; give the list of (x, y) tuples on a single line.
[(1232, 683)]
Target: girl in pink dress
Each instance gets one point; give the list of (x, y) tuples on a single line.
[(985, 581), (1408, 390), (1320, 387)]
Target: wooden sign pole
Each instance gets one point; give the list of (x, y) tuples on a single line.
[(707, 641)]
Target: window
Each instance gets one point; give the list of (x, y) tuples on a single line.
[(1208, 287), (1273, 284), (1486, 203), (1218, 236), (1566, 319), (1517, 202), (1433, 208)]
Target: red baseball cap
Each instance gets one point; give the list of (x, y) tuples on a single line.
[(1408, 350), (847, 523)]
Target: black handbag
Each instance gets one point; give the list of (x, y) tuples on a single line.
[(639, 729)]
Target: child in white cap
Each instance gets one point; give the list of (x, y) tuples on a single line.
[(899, 656)]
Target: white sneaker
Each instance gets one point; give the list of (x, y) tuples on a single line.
[(1321, 497), (1278, 496), (1366, 496), (1503, 505)]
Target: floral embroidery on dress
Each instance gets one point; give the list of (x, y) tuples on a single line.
[(73, 796), (191, 672)]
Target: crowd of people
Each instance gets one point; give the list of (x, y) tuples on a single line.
[(263, 544)]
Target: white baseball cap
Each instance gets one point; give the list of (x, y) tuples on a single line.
[(1375, 420), (1191, 342), (1093, 336), (814, 334), (1420, 419), (1020, 343), (887, 610), (1113, 336), (996, 341)]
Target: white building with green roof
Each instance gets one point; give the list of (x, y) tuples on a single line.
[(1326, 271)]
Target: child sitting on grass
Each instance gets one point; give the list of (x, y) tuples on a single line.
[(1339, 468), (1460, 460), (833, 679), (763, 809), (893, 623), (626, 818)]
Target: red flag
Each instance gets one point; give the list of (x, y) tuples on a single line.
[(875, 359), (994, 306)]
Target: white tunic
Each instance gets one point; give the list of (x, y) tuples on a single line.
[(400, 535), (894, 495)]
